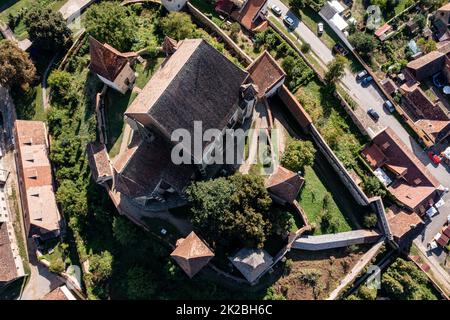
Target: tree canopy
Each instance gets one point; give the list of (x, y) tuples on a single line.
[(101, 265), (404, 281), (112, 23), (16, 68), (336, 69), (364, 43), (298, 154), (178, 25), (46, 28), (234, 209)]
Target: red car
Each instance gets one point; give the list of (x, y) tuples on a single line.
[(434, 157)]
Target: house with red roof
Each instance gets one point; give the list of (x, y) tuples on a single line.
[(111, 66), (413, 186), (251, 14)]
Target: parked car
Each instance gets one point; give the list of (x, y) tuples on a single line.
[(339, 48), (389, 106), (361, 75), (366, 80), (434, 157), (289, 22), (373, 114), (276, 10), (320, 28)]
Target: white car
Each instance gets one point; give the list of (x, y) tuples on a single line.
[(276, 10), (320, 28)]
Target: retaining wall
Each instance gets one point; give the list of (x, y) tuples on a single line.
[(336, 240)]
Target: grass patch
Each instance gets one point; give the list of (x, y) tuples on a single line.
[(115, 106), (145, 71), (311, 200), (208, 9)]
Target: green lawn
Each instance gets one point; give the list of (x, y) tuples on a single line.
[(208, 9), (311, 200), (115, 106), (145, 71)]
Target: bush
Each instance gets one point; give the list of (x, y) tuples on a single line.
[(306, 47), (298, 154), (57, 266), (370, 220), (374, 187)]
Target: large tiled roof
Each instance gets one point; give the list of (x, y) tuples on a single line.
[(192, 254), (445, 7), (265, 73), (284, 184), (427, 65), (8, 269), (401, 222), (105, 60), (145, 164), (196, 83), (98, 160), (417, 184), (36, 172)]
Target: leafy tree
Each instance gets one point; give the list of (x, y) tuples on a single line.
[(374, 187), (63, 93), (336, 69), (328, 222), (403, 280), (297, 72), (112, 23), (364, 43), (232, 209), (298, 154), (140, 284), (57, 266), (426, 45), (306, 47), (235, 28), (124, 231), (370, 220), (367, 293), (100, 265), (178, 25), (271, 294), (46, 28), (16, 68), (298, 4), (72, 199)]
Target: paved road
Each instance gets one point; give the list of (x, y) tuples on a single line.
[(41, 281), (371, 97), (366, 97)]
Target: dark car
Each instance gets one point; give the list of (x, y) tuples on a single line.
[(373, 114), (339, 48), (389, 106), (289, 22), (366, 80)]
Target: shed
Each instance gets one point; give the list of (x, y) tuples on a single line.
[(252, 262)]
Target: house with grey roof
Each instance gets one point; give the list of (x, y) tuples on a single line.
[(196, 88), (252, 263)]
